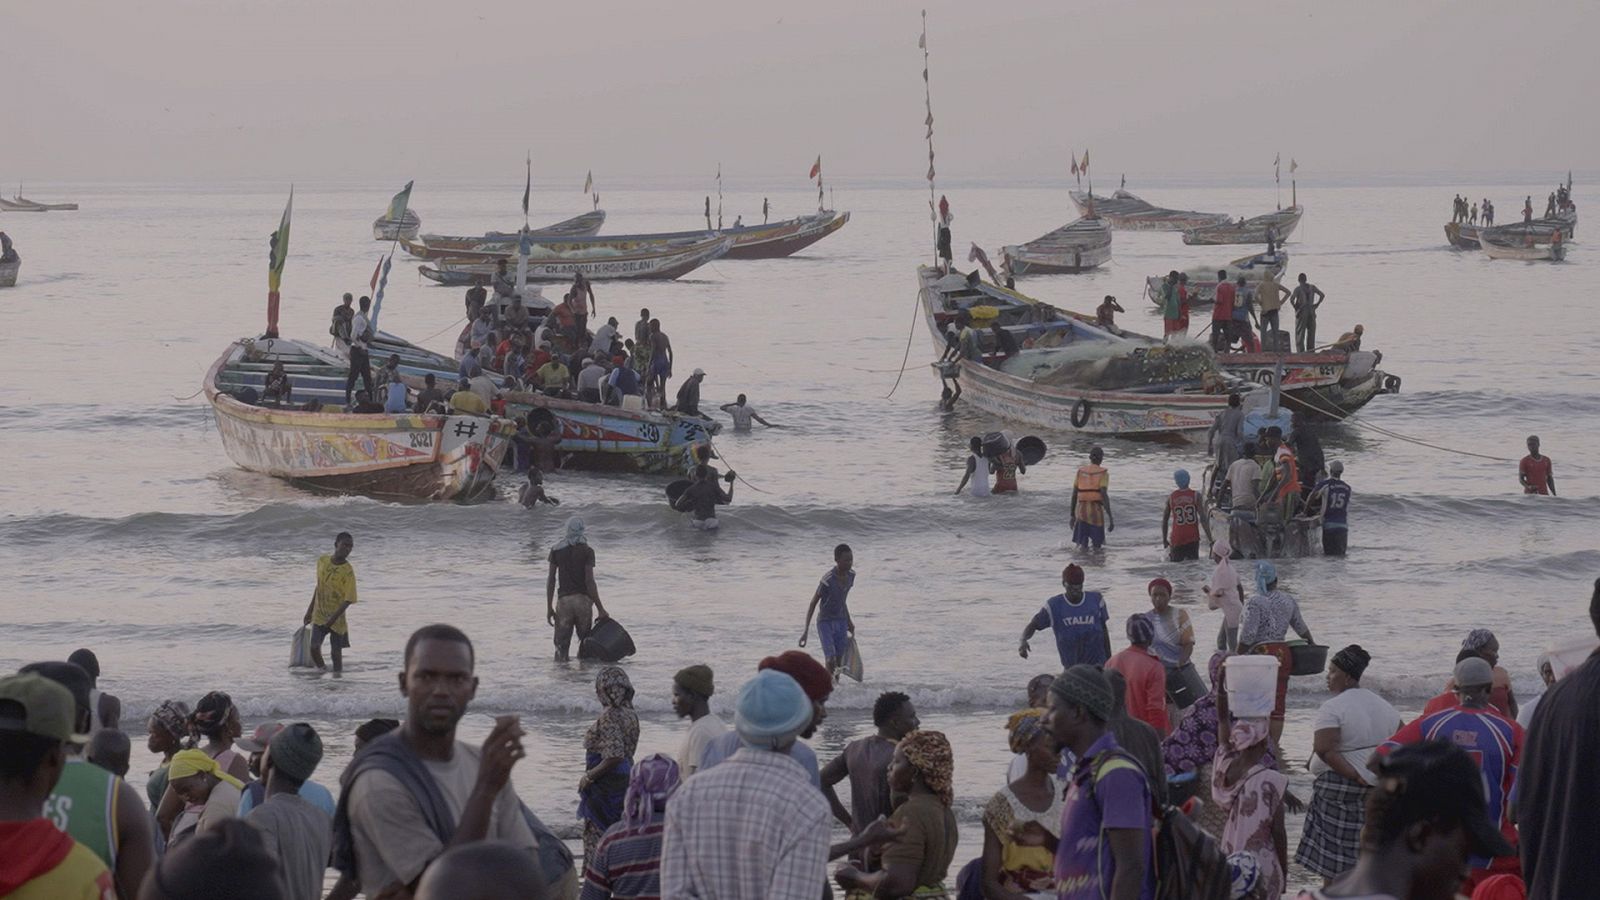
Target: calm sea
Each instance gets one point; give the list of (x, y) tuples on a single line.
[(125, 528)]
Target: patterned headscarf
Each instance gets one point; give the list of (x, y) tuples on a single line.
[(614, 688), (211, 713), (173, 715), (929, 754), (1477, 639), (1024, 725), (1266, 573), (1141, 631), (651, 782)]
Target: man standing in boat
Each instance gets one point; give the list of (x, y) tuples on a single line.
[(1091, 503), (334, 594), (764, 210), (1536, 472), (660, 365), (1222, 314), (1305, 300), (360, 362)]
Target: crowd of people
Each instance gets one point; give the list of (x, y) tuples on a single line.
[(1125, 767), (1468, 212)]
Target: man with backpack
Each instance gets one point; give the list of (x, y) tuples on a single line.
[(1105, 849)]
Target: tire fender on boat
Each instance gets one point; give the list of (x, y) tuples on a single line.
[(1391, 384), (1080, 413)]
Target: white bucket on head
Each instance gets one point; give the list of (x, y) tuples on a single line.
[(1569, 655), (1252, 685)]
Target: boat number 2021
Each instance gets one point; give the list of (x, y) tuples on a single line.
[(421, 440)]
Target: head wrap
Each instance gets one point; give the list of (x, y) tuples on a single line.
[(173, 715), (574, 534), (1477, 639), (1024, 725), (1085, 686), (929, 754), (695, 679), (1352, 660), (1266, 573), (211, 713), (772, 709), (1141, 631), (651, 782), (1159, 582), (295, 751), (1072, 574), (191, 762), (614, 688), (1181, 477), (807, 672)]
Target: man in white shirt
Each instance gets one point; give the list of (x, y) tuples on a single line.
[(360, 362), (742, 413), (691, 699), (589, 378), (603, 336), (1242, 476)]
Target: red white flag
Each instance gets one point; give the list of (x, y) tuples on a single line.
[(1085, 165), (1074, 164), (375, 270), (816, 167)]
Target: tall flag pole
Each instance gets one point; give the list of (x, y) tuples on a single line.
[(927, 94), (719, 196), (276, 256), (1276, 157), (1077, 173), (1084, 168), (816, 172), (1294, 198), (527, 190), (377, 294)]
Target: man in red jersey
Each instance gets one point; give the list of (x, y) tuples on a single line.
[(1535, 471), (1182, 540)]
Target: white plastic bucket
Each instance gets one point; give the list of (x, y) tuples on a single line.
[(1568, 656), (632, 401), (1252, 685)]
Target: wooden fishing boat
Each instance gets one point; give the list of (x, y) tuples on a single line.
[(441, 246), (387, 229), (1091, 381), (14, 206), (769, 241), (49, 207), (1461, 235), (1273, 226), (1203, 279), (1075, 247), (593, 436), (389, 456), (8, 272), (1327, 384), (596, 264), (1130, 212), (1528, 249)]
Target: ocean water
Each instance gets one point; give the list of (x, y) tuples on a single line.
[(125, 528)]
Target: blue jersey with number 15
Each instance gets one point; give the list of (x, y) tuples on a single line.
[(1338, 508)]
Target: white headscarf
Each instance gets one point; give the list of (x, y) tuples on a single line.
[(574, 534)]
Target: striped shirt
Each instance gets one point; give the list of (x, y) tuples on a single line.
[(626, 863), (750, 827)]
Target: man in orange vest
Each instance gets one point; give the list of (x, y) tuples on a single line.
[(1091, 503)]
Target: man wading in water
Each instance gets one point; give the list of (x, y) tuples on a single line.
[(335, 593)]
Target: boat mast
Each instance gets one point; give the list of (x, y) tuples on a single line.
[(927, 93), (719, 196)]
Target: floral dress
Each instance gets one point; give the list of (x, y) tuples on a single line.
[(614, 735), (1252, 804)]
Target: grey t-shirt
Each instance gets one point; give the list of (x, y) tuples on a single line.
[(392, 841), (297, 834)]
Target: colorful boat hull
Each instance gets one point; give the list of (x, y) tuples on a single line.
[(436, 246), (1276, 225), (1078, 246), (1129, 212), (388, 456), (659, 264)]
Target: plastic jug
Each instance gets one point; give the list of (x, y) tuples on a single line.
[(1252, 685)]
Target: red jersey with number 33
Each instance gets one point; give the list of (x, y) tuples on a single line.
[(1185, 507)]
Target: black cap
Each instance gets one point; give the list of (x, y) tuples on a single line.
[(1436, 779)]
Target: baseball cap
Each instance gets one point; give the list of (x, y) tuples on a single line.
[(698, 372), (260, 738), (1473, 672), (1437, 779), (48, 709)]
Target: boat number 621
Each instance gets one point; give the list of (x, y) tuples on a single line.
[(649, 431)]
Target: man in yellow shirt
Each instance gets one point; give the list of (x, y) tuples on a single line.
[(38, 861), (466, 402), (335, 593), (554, 376)]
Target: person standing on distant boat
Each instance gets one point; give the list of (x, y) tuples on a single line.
[(743, 413), (1474, 214), (942, 245), (1270, 296), (660, 364), (1535, 471), (1305, 300), (334, 594), (1091, 503), (342, 314), (641, 345), (360, 362), (1527, 210), (1171, 307), (581, 299), (1488, 213), (1182, 509), (1222, 314), (764, 209), (834, 626)]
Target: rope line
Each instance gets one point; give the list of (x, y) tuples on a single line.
[(910, 336), (731, 467)]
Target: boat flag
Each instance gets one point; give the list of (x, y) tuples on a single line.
[(527, 189), (375, 270), (977, 255), (1075, 172), (1085, 165), (1293, 165), (276, 257), (377, 292), (1275, 158), (397, 206), (816, 167), (588, 182)]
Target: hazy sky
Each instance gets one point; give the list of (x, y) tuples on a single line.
[(304, 89)]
